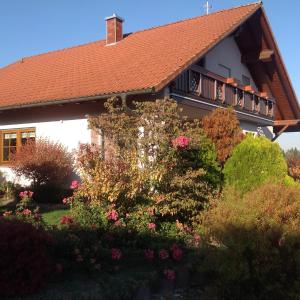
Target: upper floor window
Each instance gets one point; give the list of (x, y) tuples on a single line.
[(224, 71), (246, 80), (11, 140)]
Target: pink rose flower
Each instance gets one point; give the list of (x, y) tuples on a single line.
[(74, 185), (151, 226), (163, 254), (118, 223), (177, 253), (170, 274), (181, 143), (113, 215), (30, 194), (66, 220), (197, 239), (149, 254), (26, 212), (7, 213), (116, 254)]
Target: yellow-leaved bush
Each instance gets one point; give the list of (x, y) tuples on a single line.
[(255, 243)]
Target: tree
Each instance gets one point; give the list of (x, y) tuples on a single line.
[(223, 128)]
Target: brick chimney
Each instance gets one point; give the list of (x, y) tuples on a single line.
[(114, 29)]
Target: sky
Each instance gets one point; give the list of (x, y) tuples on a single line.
[(36, 26)]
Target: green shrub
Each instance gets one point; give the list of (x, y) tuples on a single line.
[(255, 161), (89, 215), (256, 243)]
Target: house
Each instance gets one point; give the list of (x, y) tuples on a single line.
[(227, 58)]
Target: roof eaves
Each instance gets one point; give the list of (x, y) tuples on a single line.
[(197, 56), (78, 99), (295, 103)]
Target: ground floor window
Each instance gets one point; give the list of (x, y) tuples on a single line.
[(12, 139)]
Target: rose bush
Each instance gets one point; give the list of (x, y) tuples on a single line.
[(25, 263)]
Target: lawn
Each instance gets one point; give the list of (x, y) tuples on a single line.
[(53, 217)]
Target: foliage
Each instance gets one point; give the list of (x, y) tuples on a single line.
[(44, 162), (255, 161), (88, 215), (142, 165), (25, 200), (223, 128), (25, 263), (293, 161), (256, 243)]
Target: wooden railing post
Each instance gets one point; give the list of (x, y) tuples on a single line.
[(200, 85), (215, 89)]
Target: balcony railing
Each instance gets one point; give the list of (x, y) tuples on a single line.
[(225, 91)]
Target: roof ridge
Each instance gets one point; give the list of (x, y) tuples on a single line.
[(258, 3), (23, 59)]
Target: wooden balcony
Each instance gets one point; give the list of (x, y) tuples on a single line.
[(202, 84)]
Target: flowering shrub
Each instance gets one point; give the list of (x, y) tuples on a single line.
[(173, 166), (256, 243), (25, 261), (26, 200)]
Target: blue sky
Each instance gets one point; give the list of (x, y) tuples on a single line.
[(34, 26)]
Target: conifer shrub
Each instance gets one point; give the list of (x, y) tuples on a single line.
[(223, 128), (25, 261), (255, 161), (255, 252)]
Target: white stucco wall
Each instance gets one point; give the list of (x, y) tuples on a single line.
[(68, 132), (228, 54), (266, 131)]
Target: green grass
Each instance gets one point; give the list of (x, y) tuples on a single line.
[(53, 217)]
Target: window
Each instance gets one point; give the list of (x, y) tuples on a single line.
[(246, 80), (11, 140), (224, 71)]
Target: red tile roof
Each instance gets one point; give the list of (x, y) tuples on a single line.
[(142, 60)]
